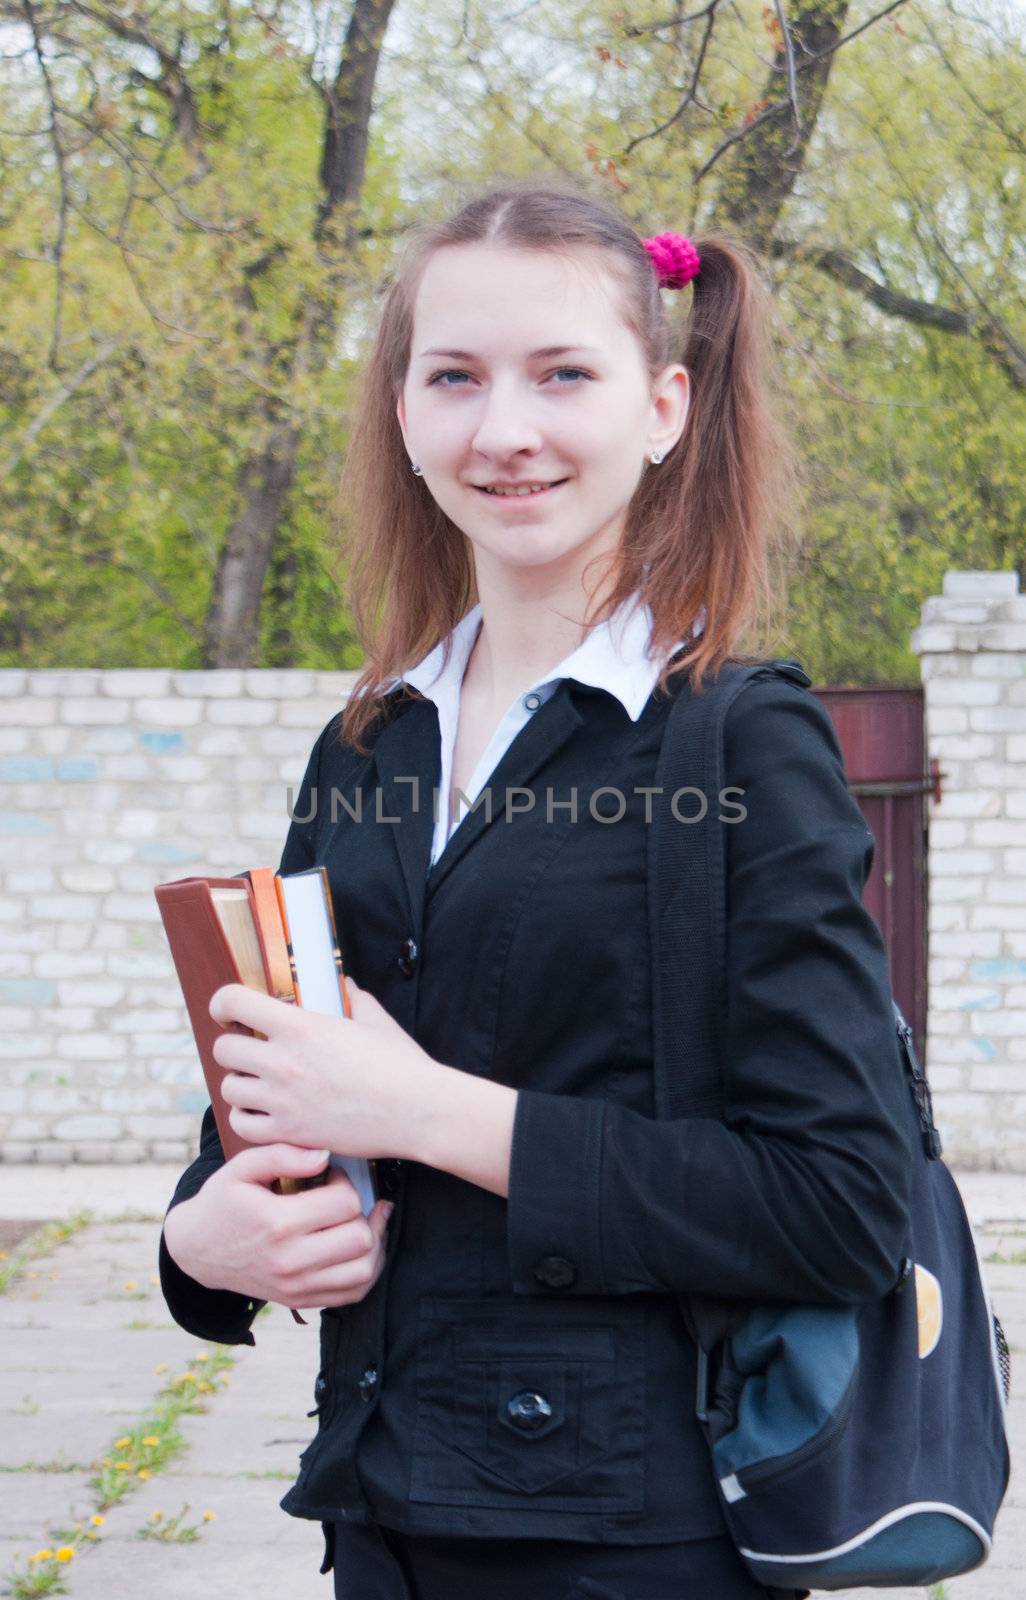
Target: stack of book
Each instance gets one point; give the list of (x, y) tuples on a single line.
[(273, 933)]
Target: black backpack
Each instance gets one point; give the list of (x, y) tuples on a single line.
[(850, 1447)]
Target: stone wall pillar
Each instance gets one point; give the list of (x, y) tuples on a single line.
[(972, 647)]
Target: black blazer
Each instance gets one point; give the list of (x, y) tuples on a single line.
[(521, 1367)]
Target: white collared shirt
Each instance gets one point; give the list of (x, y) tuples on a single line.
[(613, 656)]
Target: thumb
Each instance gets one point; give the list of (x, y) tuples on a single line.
[(365, 1008), (262, 1163), (378, 1217)]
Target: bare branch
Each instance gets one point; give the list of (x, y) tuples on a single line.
[(786, 64), (821, 55), (989, 329), (636, 29), (172, 84), (692, 89), (56, 400), (792, 80), (54, 131)]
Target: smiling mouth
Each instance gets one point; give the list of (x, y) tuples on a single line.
[(520, 494)]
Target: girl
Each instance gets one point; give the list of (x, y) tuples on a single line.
[(556, 525)]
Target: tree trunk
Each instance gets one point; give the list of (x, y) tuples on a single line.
[(768, 160), (232, 624)]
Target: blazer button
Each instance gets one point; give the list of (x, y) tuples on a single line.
[(528, 1410), (555, 1271), (368, 1383), (408, 954)]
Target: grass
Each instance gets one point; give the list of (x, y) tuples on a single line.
[(132, 1458), (1016, 1260), (38, 1244)]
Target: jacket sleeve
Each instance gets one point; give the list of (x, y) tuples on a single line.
[(802, 1192), (222, 1315)]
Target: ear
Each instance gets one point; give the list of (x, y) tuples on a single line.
[(671, 402)]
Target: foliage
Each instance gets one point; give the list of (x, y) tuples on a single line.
[(157, 264)]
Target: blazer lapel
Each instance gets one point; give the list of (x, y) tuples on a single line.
[(409, 748), (537, 742)]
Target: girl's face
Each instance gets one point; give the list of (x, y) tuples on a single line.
[(522, 372)]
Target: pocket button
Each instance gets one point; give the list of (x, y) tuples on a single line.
[(528, 1410), (555, 1271)]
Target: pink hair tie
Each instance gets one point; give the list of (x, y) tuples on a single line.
[(675, 259)]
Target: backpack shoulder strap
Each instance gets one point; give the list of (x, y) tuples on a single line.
[(686, 891)]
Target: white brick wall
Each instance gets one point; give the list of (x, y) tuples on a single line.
[(110, 783), (972, 648)]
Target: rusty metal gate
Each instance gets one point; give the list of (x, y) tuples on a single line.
[(882, 737)]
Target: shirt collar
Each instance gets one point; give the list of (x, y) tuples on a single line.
[(613, 656)]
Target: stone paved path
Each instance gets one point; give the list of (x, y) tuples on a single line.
[(80, 1349)]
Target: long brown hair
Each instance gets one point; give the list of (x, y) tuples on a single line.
[(700, 529)]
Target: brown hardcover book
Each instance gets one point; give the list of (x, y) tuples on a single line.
[(212, 931)]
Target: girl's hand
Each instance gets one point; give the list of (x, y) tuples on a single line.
[(314, 1248), (357, 1085)]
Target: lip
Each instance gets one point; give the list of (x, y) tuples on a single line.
[(521, 499)]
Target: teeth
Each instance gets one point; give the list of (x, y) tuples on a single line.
[(526, 488)]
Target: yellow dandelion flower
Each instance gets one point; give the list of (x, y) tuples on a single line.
[(3, 1255), (32, 1274), (43, 1555), (156, 1516), (122, 1444), (223, 1377), (161, 1368), (130, 1283), (151, 1438), (66, 1552), (205, 1388), (186, 1377), (97, 1521), (106, 1461), (143, 1472), (208, 1516), (202, 1355), (122, 1466)]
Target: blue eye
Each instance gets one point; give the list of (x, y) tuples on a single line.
[(454, 372)]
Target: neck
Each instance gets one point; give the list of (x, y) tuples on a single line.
[(523, 635)]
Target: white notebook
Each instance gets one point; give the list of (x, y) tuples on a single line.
[(318, 968)]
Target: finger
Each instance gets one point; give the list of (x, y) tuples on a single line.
[(330, 1247), (330, 1203), (343, 1284), (251, 1125), (240, 1052), (246, 1093), (234, 1002), (279, 1160)]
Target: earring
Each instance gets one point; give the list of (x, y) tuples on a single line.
[(656, 457), (418, 470)]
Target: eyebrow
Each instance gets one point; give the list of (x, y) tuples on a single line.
[(547, 350)]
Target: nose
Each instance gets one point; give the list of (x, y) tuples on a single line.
[(506, 425)]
